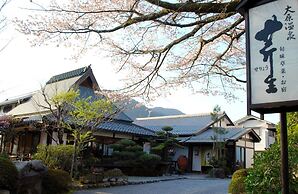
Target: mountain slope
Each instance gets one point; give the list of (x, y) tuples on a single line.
[(135, 109)]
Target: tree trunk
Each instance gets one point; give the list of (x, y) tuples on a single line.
[(60, 136), (73, 161)]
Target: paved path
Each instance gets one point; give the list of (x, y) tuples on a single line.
[(182, 186)]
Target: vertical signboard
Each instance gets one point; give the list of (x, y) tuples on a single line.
[(273, 40), (272, 63)]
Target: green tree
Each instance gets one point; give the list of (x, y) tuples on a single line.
[(264, 177), (166, 142), (218, 144), (127, 153), (161, 43), (80, 116), (85, 115), (292, 127)]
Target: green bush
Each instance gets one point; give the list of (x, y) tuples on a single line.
[(55, 156), (149, 160), (240, 173), (237, 185), (113, 173), (264, 177), (56, 181), (126, 153), (8, 174)]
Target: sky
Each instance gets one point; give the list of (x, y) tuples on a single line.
[(25, 69)]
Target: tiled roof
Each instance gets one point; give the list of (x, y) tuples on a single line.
[(67, 75), (17, 99), (182, 124), (122, 116), (232, 134), (120, 126), (125, 127)]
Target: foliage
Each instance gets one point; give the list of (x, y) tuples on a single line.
[(59, 105), (89, 161), (55, 156), (7, 125), (80, 116), (218, 163), (56, 181), (199, 44), (237, 185), (166, 141), (127, 154), (8, 174), (240, 173), (217, 159), (116, 172), (264, 177), (149, 160), (217, 173), (292, 127), (91, 178)]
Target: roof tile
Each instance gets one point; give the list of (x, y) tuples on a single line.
[(67, 75)]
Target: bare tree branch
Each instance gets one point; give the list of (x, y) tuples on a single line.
[(161, 44)]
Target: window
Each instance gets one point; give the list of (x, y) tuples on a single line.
[(107, 150), (240, 156)]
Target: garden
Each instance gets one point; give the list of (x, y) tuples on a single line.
[(265, 176), (128, 158)]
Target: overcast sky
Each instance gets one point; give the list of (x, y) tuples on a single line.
[(25, 69)]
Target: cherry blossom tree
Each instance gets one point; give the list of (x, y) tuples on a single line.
[(162, 44)]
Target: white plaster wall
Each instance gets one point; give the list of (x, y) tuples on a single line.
[(147, 147), (64, 138), (55, 138), (261, 126), (240, 143), (249, 144), (179, 152), (249, 157), (254, 124), (43, 138), (264, 139)]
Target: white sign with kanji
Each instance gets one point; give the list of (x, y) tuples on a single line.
[(273, 35)]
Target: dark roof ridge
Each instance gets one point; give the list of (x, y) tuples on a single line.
[(69, 74)]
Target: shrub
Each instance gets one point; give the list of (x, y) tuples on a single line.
[(55, 156), (116, 172), (149, 160), (56, 181), (132, 160), (217, 173), (264, 177), (237, 185), (240, 173), (8, 174)]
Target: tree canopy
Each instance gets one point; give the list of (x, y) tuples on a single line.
[(163, 44)]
